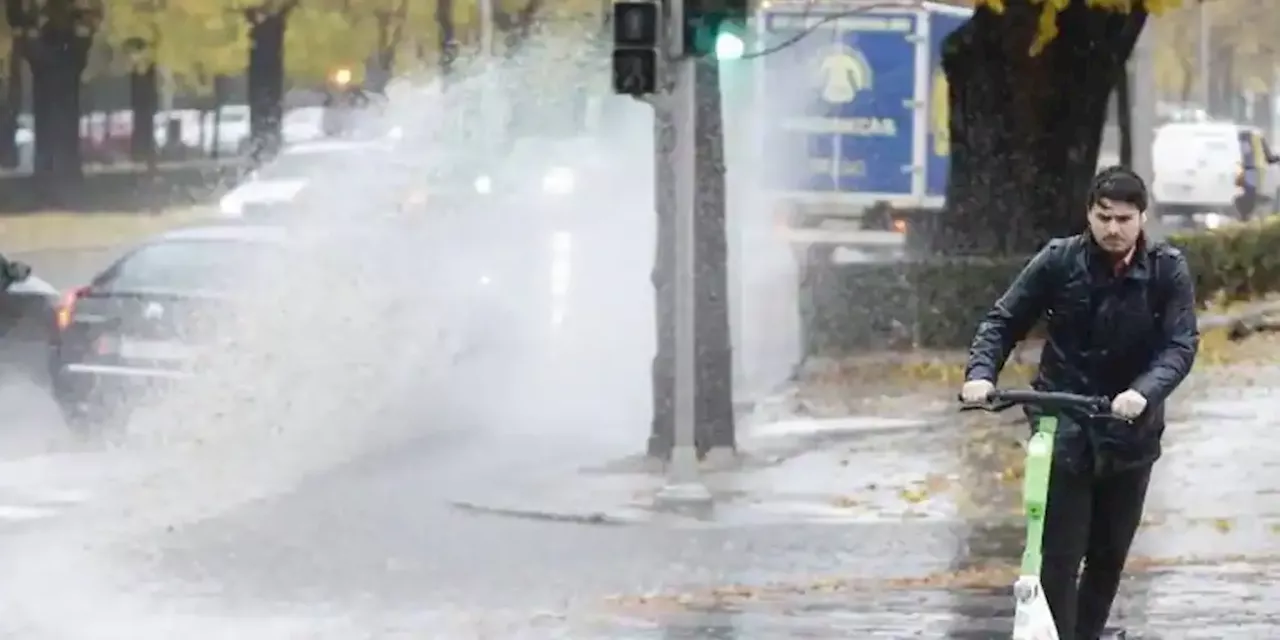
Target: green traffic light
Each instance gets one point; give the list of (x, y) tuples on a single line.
[(729, 46)]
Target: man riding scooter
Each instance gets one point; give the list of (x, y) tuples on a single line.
[(1120, 310)]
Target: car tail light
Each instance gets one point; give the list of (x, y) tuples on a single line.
[(68, 307), (104, 346), (899, 225)]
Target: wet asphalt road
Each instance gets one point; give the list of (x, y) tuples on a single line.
[(347, 533), (368, 548)]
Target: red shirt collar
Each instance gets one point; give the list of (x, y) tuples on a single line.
[(1122, 265)]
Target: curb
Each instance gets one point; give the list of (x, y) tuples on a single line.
[(633, 514), (1244, 323), (597, 518)]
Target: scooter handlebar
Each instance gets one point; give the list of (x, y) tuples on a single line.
[(999, 400)]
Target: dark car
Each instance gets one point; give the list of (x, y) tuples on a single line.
[(179, 307), (27, 308), (145, 322)]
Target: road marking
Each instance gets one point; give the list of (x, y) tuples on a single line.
[(24, 513), (561, 269), (60, 496)]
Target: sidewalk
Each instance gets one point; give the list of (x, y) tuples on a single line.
[(788, 471), (918, 521), (873, 468)]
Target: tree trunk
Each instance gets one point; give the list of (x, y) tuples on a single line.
[(377, 68), (9, 156), (57, 58), (1025, 131), (1221, 102), (713, 355), (390, 36), (448, 37), (219, 99), (516, 26), (1124, 118), (144, 98), (266, 82)]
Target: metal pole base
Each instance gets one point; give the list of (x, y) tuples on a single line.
[(691, 498)]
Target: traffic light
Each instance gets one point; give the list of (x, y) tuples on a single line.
[(729, 46), (637, 27), (716, 28)]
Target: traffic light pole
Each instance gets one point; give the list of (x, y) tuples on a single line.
[(684, 489), (651, 63)]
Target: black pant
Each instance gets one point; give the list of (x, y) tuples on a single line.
[(1093, 519)]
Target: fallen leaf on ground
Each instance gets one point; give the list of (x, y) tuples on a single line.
[(937, 482), (986, 576), (914, 495), (1153, 520), (845, 502)]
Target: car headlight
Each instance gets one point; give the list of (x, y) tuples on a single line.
[(231, 207), (483, 184), (559, 181)]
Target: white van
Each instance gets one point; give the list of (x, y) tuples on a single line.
[(1212, 170)]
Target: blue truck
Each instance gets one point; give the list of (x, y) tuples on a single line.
[(853, 110)]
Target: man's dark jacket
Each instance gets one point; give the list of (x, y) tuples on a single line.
[(1107, 332)]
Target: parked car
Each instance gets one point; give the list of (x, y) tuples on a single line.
[(1211, 172), (27, 308), (303, 124), (231, 132), (197, 130)]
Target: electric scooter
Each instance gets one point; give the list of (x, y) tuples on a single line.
[(1032, 619)]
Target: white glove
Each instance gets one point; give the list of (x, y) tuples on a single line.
[(976, 391), (1129, 405)]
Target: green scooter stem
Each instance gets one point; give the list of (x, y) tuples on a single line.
[(1035, 491)]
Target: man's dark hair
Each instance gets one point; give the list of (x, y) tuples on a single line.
[(1118, 184)]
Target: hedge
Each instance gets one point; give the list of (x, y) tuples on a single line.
[(851, 308), (1235, 263), (936, 303)]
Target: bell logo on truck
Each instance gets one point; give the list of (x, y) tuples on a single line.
[(844, 73)]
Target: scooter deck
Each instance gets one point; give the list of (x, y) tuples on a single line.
[(1035, 491)]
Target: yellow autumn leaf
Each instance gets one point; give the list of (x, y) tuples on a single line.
[(914, 495), (1047, 22)]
